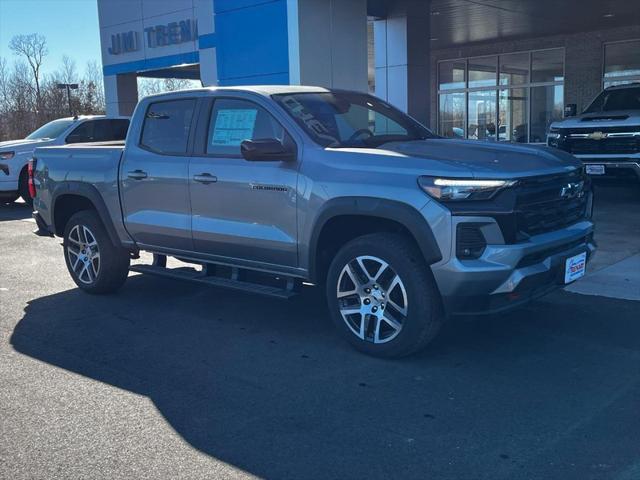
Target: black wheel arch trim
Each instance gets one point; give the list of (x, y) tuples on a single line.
[(406, 215), (92, 194)]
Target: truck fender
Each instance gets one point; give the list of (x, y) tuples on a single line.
[(404, 214), (92, 194)]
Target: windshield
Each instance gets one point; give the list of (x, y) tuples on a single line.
[(622, 99), (345, 119), (50, 130)]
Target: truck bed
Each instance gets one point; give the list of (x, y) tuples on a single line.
[(62, 170)]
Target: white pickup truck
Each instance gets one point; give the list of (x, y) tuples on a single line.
[(15, 154)]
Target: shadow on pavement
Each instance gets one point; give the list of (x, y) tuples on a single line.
[(268, 386), (14, 211)]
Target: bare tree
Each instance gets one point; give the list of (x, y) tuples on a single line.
[(151, 86), (68, 72), (34, 48), (4, 83), (94, 87), (4, 98), (20, 107)]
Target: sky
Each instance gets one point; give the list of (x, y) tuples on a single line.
[(70, 26)]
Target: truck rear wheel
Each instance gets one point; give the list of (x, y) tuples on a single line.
[(382, 296), (96, 265)]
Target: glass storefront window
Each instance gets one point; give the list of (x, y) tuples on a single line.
[(546, 107), (547, 66), (481, 122), (513, 118), (621, 63), (482, 72), (514, 68), (513, 97), (451, 115), (452, 74)]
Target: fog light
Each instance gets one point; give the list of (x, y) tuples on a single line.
[(470, 242)]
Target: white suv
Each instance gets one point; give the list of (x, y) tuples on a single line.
[(15, 154)]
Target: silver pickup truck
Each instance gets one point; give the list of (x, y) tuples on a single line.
[(263, 188)]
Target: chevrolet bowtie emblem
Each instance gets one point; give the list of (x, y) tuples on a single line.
[(597, 135)]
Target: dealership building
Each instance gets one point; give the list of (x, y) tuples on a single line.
[(499, 70)]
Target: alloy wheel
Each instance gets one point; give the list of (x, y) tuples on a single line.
[(372, 299), (83, 253)]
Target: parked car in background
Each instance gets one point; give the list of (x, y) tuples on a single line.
[(15, 154), (606, 137), (262, 188)]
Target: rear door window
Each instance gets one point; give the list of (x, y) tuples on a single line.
[(119, 129), (83, 133), (166, 126), (101, 130), (109, 130)]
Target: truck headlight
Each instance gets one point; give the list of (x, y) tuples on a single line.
[(7, 155), (553, 136), (454, 189)]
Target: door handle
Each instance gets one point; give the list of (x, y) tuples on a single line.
[(137, 175), (205, 178)]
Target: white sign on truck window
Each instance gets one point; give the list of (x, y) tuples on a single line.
[(233, 126)]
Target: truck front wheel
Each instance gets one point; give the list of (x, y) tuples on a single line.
[(382, 296), (96, 265), (23, 187)]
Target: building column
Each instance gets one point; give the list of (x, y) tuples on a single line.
[(121, 94), (328, 43), (582, 82), (205, 14), (402, 53)]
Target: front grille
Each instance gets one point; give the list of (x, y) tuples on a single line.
[(541, 208), (619, 146), (572, 143)]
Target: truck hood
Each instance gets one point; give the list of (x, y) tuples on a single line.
[(20, 146), (485, 160), (593, 121)]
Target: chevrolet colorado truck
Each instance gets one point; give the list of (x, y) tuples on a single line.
[(606, 137), (263, 188), (15, 154)]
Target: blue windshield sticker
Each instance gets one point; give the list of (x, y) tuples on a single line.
[(233, 126)]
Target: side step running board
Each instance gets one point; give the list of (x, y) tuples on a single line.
[(194, 275)]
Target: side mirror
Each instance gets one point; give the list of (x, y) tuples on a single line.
[(570, 110), (266, 150)]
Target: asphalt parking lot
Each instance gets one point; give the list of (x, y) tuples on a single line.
[(173, 380)]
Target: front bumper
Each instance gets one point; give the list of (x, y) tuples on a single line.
[(8, 178), (506, 276), (614, 163), (43, 229)]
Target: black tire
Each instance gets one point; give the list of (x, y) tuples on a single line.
[(23, 187), (112, 264), (8, 197), (422, 302)]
